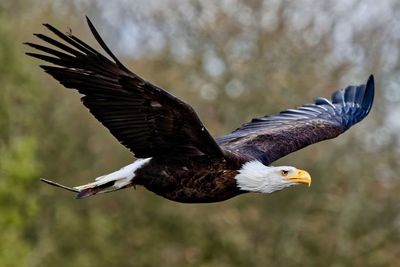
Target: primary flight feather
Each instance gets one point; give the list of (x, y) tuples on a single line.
[(177, 157)]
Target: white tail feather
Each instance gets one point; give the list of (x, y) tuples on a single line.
[(121, 178)]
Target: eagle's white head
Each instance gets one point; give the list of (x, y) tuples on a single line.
[(256, 177)]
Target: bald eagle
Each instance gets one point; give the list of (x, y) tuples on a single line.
[(177, 158)]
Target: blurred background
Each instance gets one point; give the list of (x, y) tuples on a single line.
[(231, 60)]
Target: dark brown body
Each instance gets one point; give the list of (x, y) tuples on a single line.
[(196, 179)]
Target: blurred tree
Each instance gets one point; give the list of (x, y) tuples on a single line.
[(19, 167)]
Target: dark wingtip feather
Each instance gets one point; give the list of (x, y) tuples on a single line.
[(371, 79), (369, 94), (361, 94), (350, 93), (52, 29), (103, 44), (88, 20), (338, 97), (357, 101)]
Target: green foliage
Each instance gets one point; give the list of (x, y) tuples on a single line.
[(349, 216), (19, 165), (19, 170)]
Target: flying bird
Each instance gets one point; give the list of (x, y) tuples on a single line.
[(177, 157)]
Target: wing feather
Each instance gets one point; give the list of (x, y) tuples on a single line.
[(269, 138), (143, 117)]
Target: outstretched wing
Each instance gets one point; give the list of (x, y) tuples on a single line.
[(143, 117), (269, 138)]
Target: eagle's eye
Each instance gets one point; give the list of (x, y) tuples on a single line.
[(284, 172)]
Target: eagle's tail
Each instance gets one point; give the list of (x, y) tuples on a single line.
[(117, 180), (107, 183), (90, 189)]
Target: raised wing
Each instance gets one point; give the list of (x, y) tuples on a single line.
[(269, 138), (143, 117)]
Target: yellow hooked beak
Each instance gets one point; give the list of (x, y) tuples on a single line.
[(300, 176)]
